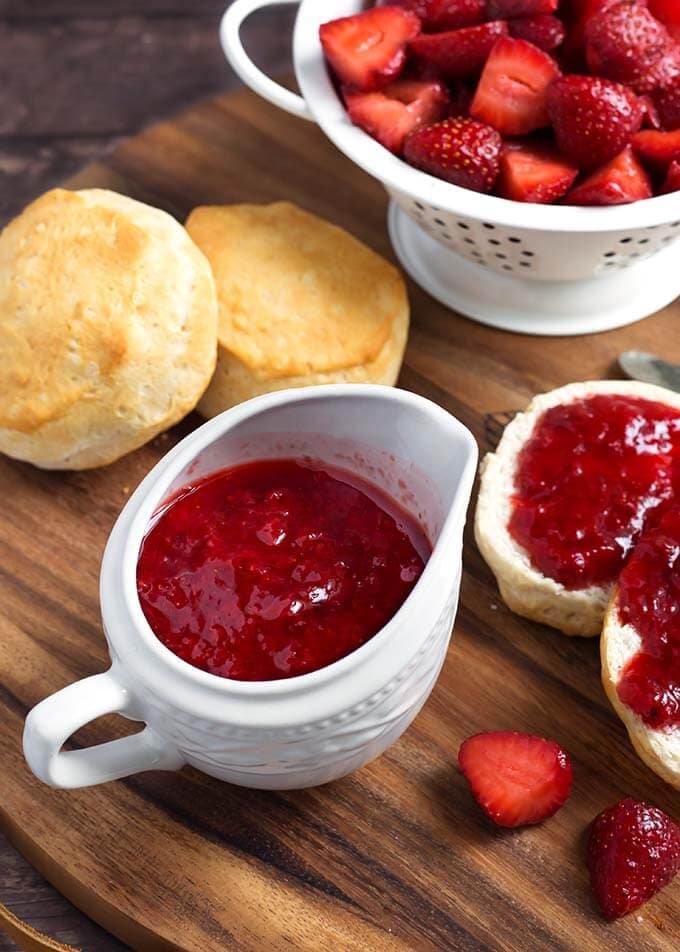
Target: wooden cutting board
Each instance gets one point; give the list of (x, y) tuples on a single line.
[(396, 856)]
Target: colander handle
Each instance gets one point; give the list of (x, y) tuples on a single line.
[(259, 82)]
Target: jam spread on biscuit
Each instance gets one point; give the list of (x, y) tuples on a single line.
[(276, 568), (593, 475), (649, 599)]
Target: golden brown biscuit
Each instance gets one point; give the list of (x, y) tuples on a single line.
[(108, 321), (301, 302)]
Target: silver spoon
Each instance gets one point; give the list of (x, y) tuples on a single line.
[(650, 369)]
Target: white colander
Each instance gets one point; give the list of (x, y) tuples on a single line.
[(538, 269)]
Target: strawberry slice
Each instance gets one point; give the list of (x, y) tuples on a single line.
[(667, 102), (626, 43), (534, 172), (672, 183), (460, 151), (459, 53), (619, 182), (512, 91), (657, 149), (439, 15), (545, 31), (593, 119), (668, 12), (633, 852), (397, 110), (368, 50), (496, 9), (516, 779)]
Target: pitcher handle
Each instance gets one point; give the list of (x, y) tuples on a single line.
[(230, 37), (50, 724)]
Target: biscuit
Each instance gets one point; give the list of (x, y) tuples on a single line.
[(108, 328), (301, 302), (524, 589)]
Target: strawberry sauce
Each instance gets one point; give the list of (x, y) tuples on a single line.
[(276, 568), (649, 599), (594, 474)]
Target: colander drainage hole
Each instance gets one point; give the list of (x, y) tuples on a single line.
[(461, 224), (625, 241), (494, 241), (528, 254)]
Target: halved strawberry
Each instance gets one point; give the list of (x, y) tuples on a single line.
[(394, 112), (619, 182), (516, 779), (626, 43), (668, 11), (534, 172), (545, 31), (577, 16), (512, 91), (460, 151), (633, 852), (667, 102), (458, 53), (519, 8), (593, 118), (368, 50), (672, 183), (657, 149), (439, 15), (664, 72)]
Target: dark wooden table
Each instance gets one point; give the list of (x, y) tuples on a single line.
[(76, 76)]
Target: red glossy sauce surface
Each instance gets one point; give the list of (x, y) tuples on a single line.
[(594, 474), (276, 568), (649, 599)]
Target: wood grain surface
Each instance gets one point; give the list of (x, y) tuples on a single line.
[(396, 856)]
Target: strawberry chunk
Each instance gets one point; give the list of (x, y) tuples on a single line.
[(667, 102), (593, 118), (368, 50), (459, 53), (516, 779), (519, 8), (619, 182), (627, 44), (396, 111), (668, 12), (633, 852), (460, 151), (439, 15), (672, 183), (534, 172), (544, 31), (657, 149), (512, 91)]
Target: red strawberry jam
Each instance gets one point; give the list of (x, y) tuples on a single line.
[(592, 476), (276, 568), (649, 600)]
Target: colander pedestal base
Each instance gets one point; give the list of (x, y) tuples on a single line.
[(551, 308)]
